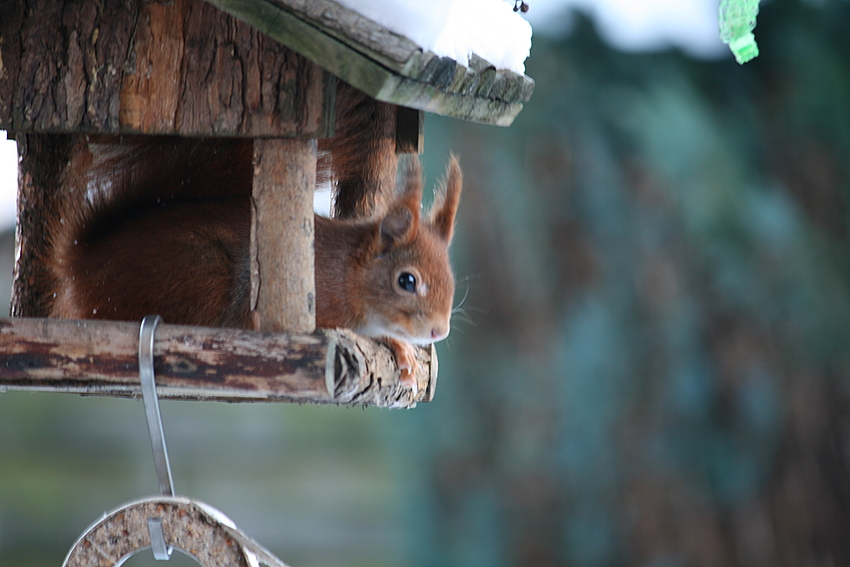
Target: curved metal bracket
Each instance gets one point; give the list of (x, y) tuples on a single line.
[(195, 528)]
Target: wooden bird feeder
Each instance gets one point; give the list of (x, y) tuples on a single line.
[(264, 70)]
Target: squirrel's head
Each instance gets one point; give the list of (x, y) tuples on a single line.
[(411, 286)]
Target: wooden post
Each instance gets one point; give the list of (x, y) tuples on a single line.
[(283, 287)]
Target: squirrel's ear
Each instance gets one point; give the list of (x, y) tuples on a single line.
[(400, 223), (397, 226), (445, 205)]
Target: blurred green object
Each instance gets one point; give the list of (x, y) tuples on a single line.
[(737, 21)]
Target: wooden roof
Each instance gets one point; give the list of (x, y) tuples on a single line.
[(184, 67), (384, 64)]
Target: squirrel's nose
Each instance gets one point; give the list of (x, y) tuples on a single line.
[(439, 334)]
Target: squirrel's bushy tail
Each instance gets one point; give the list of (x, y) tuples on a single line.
[(123, 201)]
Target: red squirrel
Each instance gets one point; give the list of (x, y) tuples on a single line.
[(164, 228)]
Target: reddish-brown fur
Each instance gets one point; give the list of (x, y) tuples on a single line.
[(165, 229), (154, 225), (360, 159)]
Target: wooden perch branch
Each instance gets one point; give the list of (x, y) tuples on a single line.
[(200, 363)]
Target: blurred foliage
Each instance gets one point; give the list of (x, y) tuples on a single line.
[(657, 261), (651, 366)]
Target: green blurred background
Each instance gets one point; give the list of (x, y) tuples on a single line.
[(655, 268)]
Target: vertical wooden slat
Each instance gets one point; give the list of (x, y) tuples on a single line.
[(410, 130), (282, 273)]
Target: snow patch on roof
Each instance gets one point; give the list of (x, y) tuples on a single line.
[(456, 28)]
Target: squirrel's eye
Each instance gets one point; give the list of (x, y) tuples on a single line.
[(407, 282)]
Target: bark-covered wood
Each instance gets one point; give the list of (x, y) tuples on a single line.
[(282, 274), (101, 358), (128, 66)]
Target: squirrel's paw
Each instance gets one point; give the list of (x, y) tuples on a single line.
[(405, 357)]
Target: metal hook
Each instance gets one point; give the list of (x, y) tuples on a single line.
[(161, 551)]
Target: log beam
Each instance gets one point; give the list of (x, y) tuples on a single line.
[(199, 363), (132, 67)]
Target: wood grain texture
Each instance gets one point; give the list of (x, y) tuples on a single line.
[(384, 46), (401, 55), (128, 66), (283, 276), (386, 66), (199, 363), (11, 19)]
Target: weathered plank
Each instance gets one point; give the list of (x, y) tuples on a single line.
[(128, 66), (400, 54), (423, 96), (384, 46), (198, 363), (423, 81)]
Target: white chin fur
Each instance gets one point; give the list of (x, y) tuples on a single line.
[(377, 329)]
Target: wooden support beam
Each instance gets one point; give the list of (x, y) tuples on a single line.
[(134, 67), (199, 363), (283, 293)]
